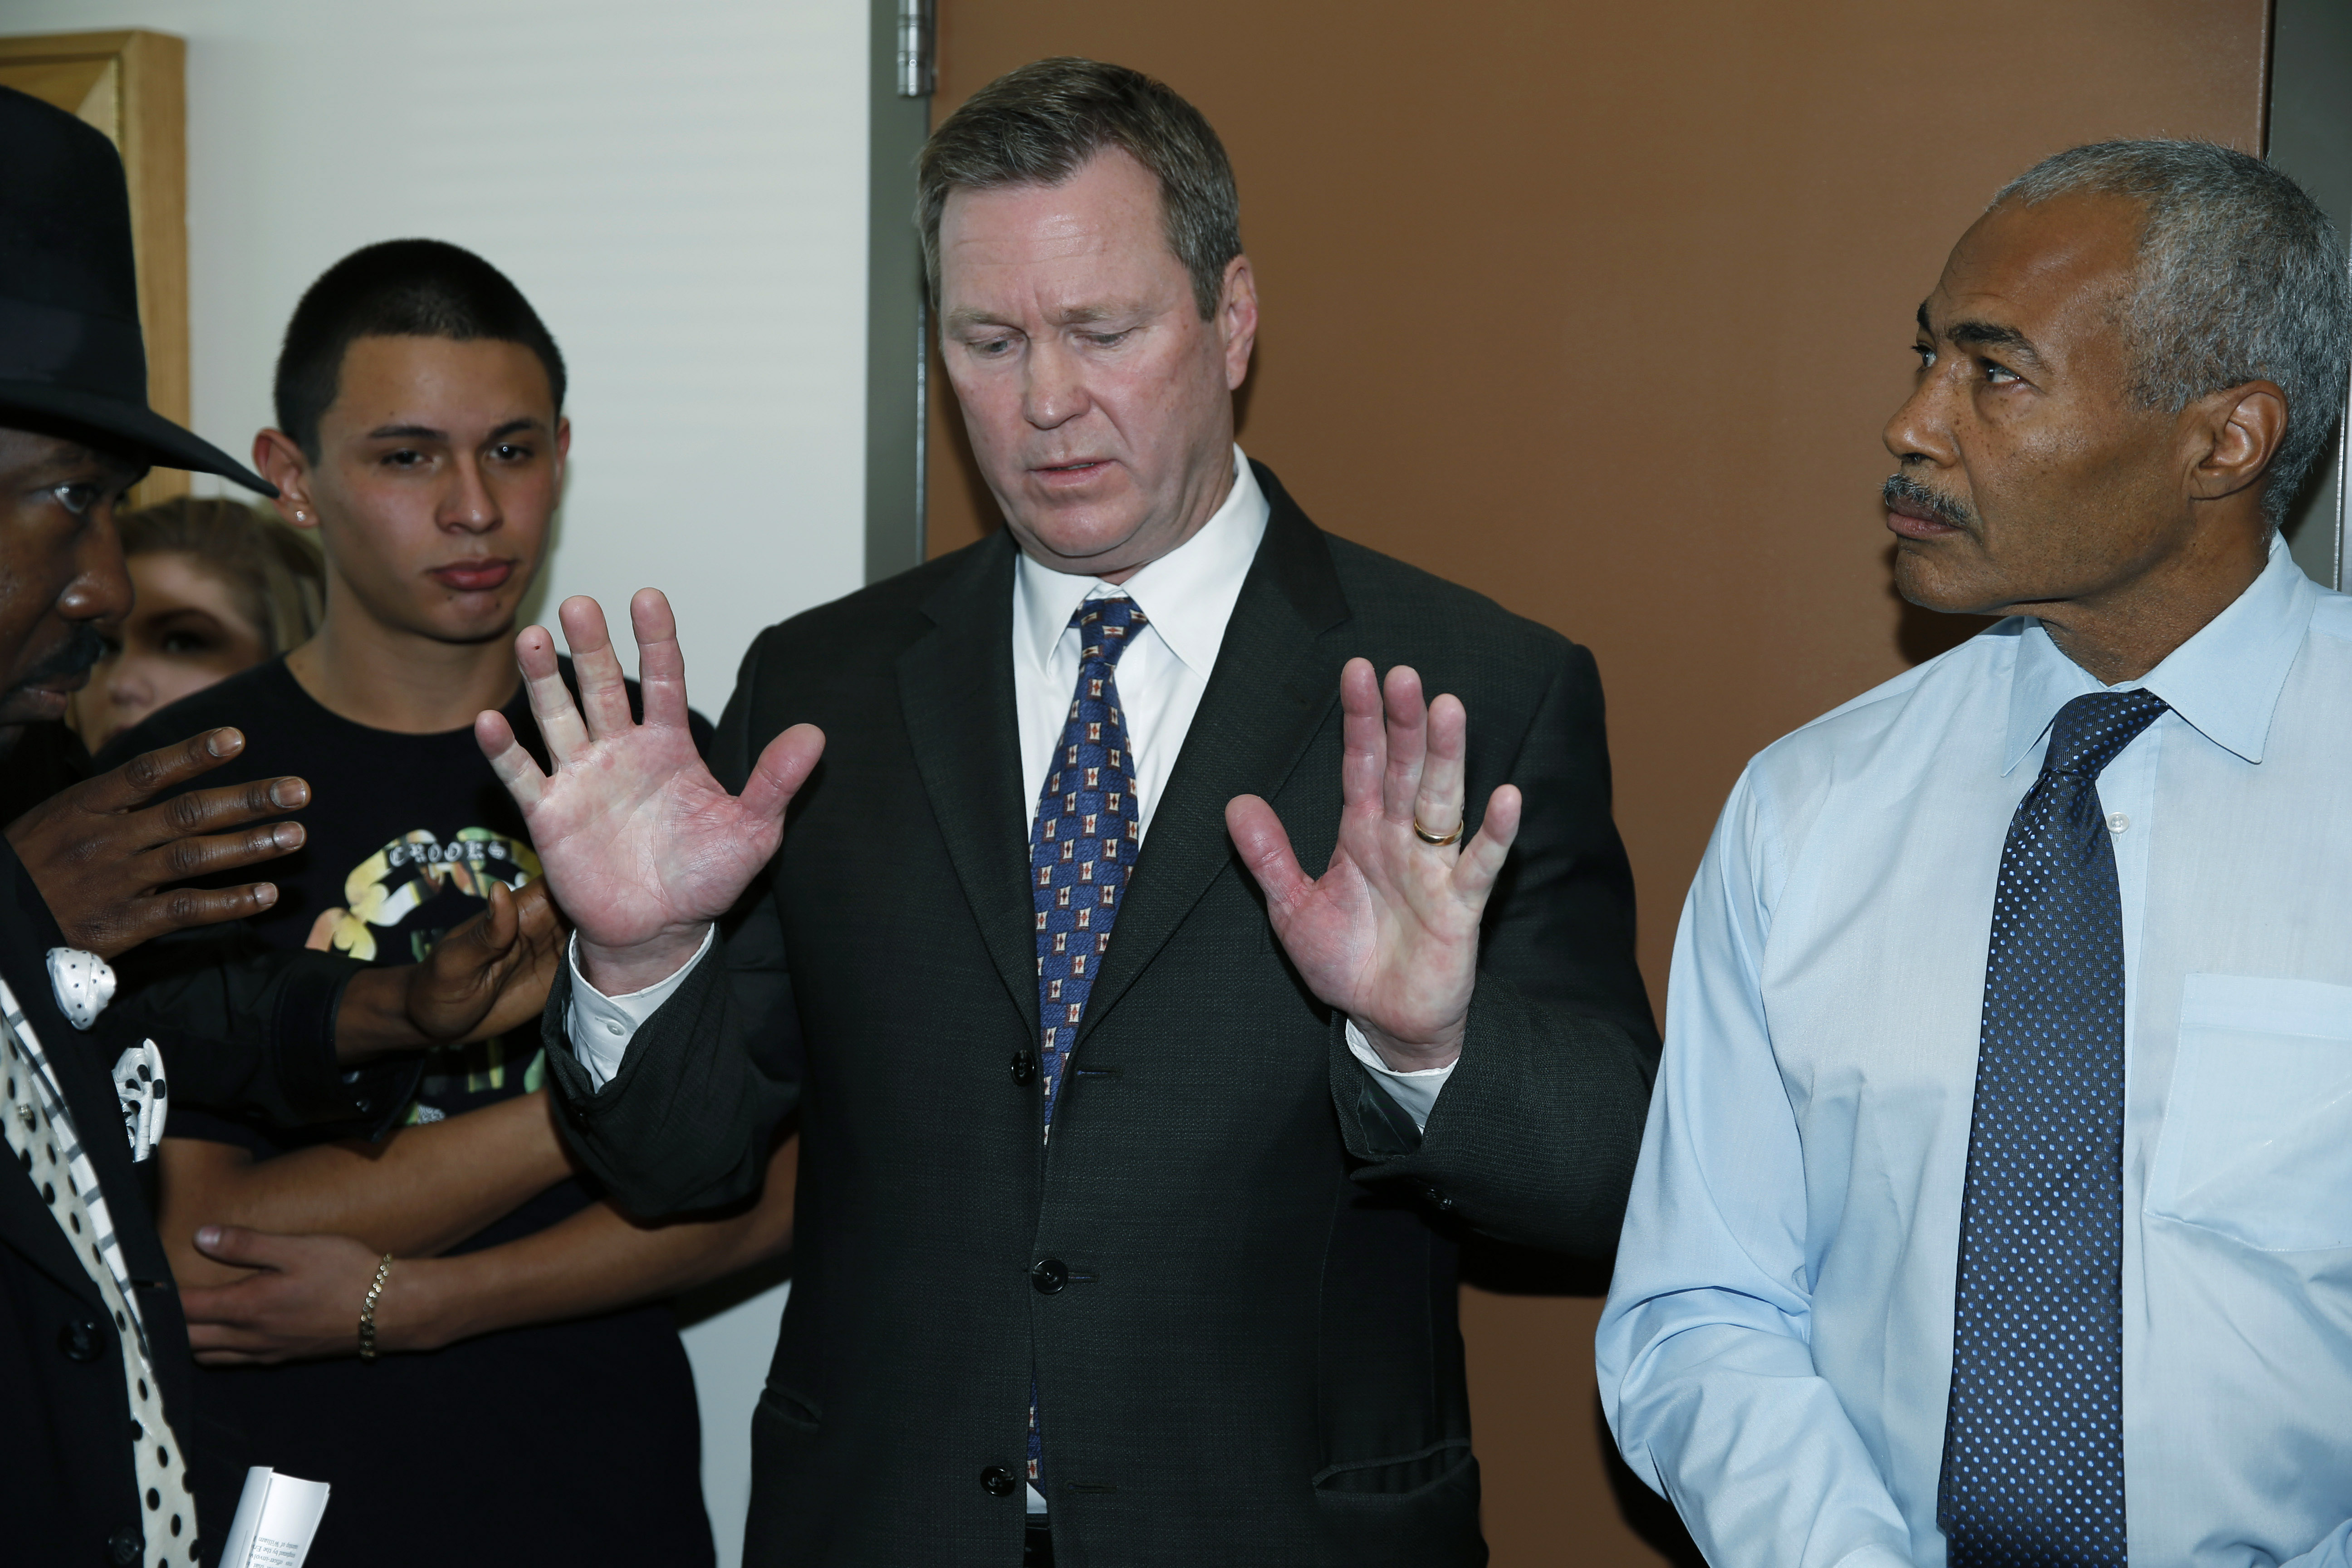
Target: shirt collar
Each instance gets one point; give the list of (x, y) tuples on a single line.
[(2223, 682), (1187, 594)]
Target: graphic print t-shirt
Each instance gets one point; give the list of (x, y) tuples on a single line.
[(573, 1442)]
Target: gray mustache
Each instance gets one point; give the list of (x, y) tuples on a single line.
[(1904, 487)]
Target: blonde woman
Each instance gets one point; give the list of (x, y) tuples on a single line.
[(218, 588)]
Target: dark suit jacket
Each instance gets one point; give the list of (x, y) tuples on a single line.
[(1255, 1356), (68, 1492)]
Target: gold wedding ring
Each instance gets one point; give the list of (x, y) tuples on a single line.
[(1439, 841)]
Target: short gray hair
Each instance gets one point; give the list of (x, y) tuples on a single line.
[(2241, 277), (1040, 125)]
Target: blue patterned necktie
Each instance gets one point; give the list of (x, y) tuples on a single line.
[(2033, 1441), (1084, 838)]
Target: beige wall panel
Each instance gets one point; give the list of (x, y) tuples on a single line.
[(1600, 310)]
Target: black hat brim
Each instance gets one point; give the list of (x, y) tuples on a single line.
[(127, 429)]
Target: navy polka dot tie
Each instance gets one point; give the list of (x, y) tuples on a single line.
[(1087, 830), (2033, 1442)]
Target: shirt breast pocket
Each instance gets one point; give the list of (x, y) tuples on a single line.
[(2257, 1142)]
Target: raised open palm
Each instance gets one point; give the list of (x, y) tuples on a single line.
[(1388, 933), (643, 848)]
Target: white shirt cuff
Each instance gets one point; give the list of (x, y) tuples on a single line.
[(601, 1026), (1416, 1091)]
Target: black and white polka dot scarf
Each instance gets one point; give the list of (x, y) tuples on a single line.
[(41, 1135)]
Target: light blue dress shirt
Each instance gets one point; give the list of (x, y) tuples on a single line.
[(1776, 1353)]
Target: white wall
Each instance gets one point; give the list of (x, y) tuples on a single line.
[(680, 190)]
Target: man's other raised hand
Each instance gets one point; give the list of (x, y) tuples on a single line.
[(642, 849), (1388, 933)]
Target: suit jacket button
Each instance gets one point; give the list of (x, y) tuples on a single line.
[(79, 1339), (1024, 1068), (125, 1545), (997, 1481), (1049, 1275)]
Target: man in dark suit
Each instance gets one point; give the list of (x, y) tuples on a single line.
[(93, 1350), (1133, 1160)]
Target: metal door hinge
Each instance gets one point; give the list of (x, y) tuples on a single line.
[(919, 31)]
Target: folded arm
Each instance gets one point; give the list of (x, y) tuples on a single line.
[(302, 1300), (1705, 1365), (418, 1190), (595, 1261)]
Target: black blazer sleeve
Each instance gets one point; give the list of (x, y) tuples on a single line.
[(688, 1122), (1534, 1137), (197, 993), (260, 1039), (285, 1002)]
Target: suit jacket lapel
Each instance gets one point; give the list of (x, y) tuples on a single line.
[(26, 934), (1277, 678), (955, 687)]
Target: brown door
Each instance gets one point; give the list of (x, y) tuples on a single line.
[(1600, 310)]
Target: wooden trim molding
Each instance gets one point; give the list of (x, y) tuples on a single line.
[(132, 85)]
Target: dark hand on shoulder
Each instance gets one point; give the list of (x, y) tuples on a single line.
[(105, 857), (490, 975)]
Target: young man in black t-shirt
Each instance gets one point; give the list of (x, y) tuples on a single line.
[(547, 1413)]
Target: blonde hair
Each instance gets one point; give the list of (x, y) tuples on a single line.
[(276, 574)]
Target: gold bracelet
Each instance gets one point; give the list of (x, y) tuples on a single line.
[(367, 1308)]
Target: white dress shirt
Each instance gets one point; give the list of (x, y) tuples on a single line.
[(1776, 1353), (1187, 596)]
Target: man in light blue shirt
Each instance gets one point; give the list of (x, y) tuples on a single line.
[(2113, 1144)]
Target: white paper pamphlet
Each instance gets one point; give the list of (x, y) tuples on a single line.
[(275, 1520)]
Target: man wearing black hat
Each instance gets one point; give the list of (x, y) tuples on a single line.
[(93, 1350)]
